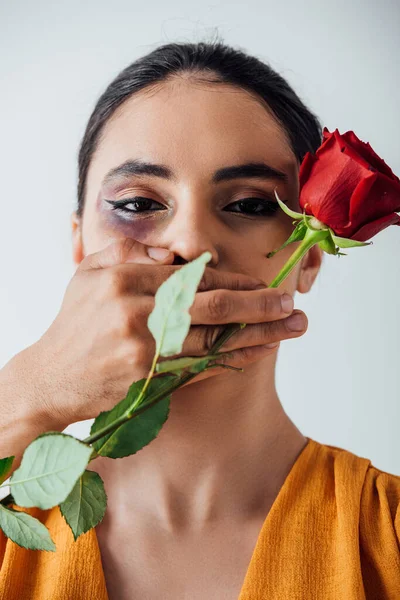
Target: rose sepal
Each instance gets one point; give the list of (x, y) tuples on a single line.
[(346, 242), (287, 210), (328, 245), (296, 236)]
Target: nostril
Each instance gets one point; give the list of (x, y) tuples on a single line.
[(178, 260)]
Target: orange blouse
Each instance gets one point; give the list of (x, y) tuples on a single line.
[(333, 533)]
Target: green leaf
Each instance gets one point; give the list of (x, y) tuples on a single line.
[(347, 243), (86, 504), (201, 365), (25, 530), (136, 433), (50, 466), (169, 322), (5, 466), (185, 362), (140, 430)]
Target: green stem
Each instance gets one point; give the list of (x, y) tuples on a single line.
[(163, 393), (128, 414), (138, 400), (311, 238)]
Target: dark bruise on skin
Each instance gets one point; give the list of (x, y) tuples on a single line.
[(136, 229), (143, 228)]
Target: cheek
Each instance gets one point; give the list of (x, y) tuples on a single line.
[(140, 230), (254, 241), (276, 264)]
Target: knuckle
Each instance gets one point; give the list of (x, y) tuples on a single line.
[(275, 329), (123, 326), (224, 359), (121, 249), (267, 303), (247, 353), (124, 319), (208, 281), (131, 315), (136, 353), (259, 333), (220, 304), (143, 352), (115, 281), (244, 353), (198, 340)]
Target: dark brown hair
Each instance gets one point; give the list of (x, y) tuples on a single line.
[(213, 62)]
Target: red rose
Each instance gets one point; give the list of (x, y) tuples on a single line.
[(347, 186)]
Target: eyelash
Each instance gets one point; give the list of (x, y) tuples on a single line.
[(270, 207)]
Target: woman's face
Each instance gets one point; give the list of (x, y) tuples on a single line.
[(194, 200)]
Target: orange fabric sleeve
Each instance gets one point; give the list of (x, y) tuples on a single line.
[(380, 534), (73, 572)]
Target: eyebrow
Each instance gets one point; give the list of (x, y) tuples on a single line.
[(137, 167)]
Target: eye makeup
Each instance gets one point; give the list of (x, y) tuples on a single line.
[(144, 206), (139, 229), (134, 216)]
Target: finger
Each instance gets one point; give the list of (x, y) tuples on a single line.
[(265, 333), (226, 306), (123, 251), (147, 279), (127, 251), (240, 359), (201, 339)]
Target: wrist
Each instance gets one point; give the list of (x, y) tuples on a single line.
[(25, 403), (39, 388)]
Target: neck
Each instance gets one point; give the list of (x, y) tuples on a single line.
[(224, 452)]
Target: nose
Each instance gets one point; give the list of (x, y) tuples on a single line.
[(191, 233)]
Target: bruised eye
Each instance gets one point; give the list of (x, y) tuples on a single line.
[(141, 205), (247, 206)]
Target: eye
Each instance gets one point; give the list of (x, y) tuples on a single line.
[(142, 205), (266, 207), (248, 205)]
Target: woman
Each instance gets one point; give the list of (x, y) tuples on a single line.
[(182, 153)]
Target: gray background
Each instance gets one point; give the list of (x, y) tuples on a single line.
[(340, 382)]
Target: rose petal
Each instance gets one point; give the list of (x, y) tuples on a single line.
[(375, 197), (365, 149), (370, 229), (305, 169)]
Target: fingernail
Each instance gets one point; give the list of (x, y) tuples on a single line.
[(158, 253), (287, 303), (274, 345), (296, 322)]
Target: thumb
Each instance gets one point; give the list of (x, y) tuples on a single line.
[(125, 250)]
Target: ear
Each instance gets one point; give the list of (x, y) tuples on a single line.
[(77, 244), (309, 268)]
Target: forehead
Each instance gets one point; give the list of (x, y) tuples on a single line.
[(194, 127)]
